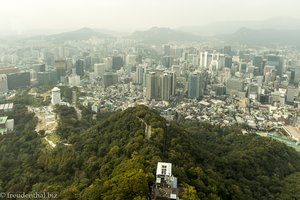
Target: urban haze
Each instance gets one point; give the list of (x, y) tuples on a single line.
[(143, 100)]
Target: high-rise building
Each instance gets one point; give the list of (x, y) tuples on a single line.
[(178, 52), (108, 63), (55, 96), (227, 50), (167, 61), (258, 61), (173, 83), (166, 50), (47, 78), (110, 78), (176, 69), (74, 80), (99, 69), (3, 83), (60, 66), (253, 91), (276, 61), (79, 66), (131, 59), (117, 62), (228, 62), (140, 74), (234, 85), (167, 85), (292, 93), (152, 86), (166, 82), (196, 85), (18, 80), (296, 75), (203, 59), (242, 67), (219, 89), (39, 68)]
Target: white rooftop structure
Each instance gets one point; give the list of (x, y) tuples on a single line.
[(164, 169)]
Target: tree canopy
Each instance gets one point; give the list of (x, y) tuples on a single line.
[(111, 158)]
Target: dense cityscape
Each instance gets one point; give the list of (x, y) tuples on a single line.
[(255, 88), (150, 100)]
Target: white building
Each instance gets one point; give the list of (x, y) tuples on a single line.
[(74, 80), (130, 59), (165, 181), (99, 69), (164, 169), (108, 63), (55, 96), (6, 125)]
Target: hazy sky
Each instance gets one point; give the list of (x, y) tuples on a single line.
[(129, 15)]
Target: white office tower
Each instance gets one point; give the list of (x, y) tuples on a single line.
[(55, 96), (130, 59), (74, 80), (99, 69), (108, 63), (214, 66), (204, 59), (140, 73), (176, 69), (3, 83)]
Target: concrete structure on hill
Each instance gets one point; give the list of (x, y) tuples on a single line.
[(165, 184)]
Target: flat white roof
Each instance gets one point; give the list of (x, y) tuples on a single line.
[(166, 166)]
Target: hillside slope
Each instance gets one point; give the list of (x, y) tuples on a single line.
[(113, 160)]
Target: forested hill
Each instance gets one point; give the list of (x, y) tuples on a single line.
[(113, 159)]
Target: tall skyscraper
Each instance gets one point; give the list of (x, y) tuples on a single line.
[(228, 62), (79, 66), (227, 50), (196, 85), (292, 93), (140, 74), (167, 61), (277, 61), (152, 89), (99, 69), (203, 59), (166, 50), (117, 62), (60, 66), (108, 63), (242, 67), (131, 59), (166, 82)]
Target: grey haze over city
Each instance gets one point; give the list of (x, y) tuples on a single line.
[(150, 99), (53, 16)]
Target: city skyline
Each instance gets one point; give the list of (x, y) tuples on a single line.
[(17, 17)]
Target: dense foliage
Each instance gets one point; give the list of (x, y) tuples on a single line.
[(112, 159)]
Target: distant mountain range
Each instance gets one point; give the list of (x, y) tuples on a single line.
[(81, 34), (263, 37), (163, 35), (228, 27), (280, 30)]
